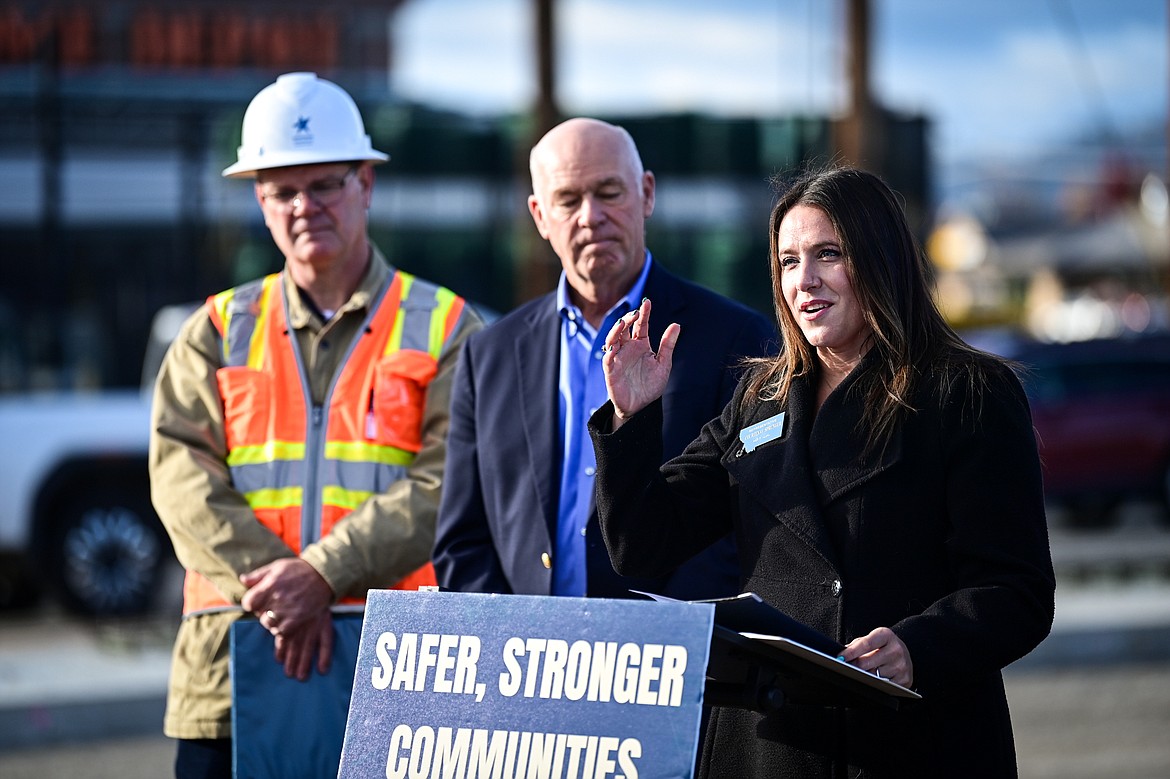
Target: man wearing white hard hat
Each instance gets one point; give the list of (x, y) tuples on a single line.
[(300, 420)]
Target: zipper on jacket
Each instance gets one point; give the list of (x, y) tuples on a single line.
[(313, 501), (314, 457)]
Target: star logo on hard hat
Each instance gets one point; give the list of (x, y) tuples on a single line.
[(302, 124)]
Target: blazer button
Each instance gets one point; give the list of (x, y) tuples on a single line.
[(837, 587), (546, 560)]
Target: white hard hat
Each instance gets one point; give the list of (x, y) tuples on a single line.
[(301, 120)]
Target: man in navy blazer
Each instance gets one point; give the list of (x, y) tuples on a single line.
[(517, 513)]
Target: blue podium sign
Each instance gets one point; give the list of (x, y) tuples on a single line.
[(463, 686)]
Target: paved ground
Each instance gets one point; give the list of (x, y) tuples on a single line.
[(1069, 724), (1077, 723), (82, 698)]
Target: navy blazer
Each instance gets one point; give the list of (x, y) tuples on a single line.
[(497, 518)]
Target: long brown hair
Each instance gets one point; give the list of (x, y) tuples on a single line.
[(887, 270)]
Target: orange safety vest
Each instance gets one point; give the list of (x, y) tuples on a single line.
[(303, 468)]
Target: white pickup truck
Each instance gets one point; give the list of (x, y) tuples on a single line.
[(75, 513)]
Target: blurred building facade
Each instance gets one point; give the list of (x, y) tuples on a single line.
[(1063, 259), (120, 115), (117, 117)]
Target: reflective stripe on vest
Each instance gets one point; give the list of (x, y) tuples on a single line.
[(303, 468)]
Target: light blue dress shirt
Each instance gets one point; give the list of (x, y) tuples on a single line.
[(581, 391)]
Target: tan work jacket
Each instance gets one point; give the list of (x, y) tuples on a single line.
[(215, 531)]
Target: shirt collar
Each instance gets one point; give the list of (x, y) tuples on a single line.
[(377, 273), (632, 298)]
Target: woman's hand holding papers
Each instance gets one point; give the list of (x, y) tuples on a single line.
[(881, 652)]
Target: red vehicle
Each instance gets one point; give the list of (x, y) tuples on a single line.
[(1102, 414)]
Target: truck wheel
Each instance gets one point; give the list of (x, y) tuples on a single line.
[(109, 549)]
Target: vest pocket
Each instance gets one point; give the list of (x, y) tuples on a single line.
[(247, 401), (400, 394)]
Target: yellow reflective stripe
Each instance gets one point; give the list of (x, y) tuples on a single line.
[(221, 305), (281, 498), (267, 452), (221, 302), (394, 343), (444, 299), (363, 452), (346, 499), (256, 347)]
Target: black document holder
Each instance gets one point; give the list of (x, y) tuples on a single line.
[(761, 659)]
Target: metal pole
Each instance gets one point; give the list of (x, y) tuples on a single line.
[(547, 112), (859, 132), (536, 271)]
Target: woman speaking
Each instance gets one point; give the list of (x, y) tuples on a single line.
[(883, 483)]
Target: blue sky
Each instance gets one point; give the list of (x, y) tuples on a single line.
[(1000, 79)]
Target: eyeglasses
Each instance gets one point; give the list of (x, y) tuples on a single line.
[(324, 192)]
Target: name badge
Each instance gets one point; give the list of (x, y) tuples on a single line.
[(762, 432)]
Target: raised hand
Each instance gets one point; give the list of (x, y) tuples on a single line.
[(635, 375)]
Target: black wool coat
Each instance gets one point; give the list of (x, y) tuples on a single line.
[(940, 536)]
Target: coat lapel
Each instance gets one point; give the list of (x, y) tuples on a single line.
[(661, 290), (837, 445), (665, 301), (780, 474), (537, 368), (816, 462)]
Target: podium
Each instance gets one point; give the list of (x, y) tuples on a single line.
[(460, 684), (760, 659), (452, 685)]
